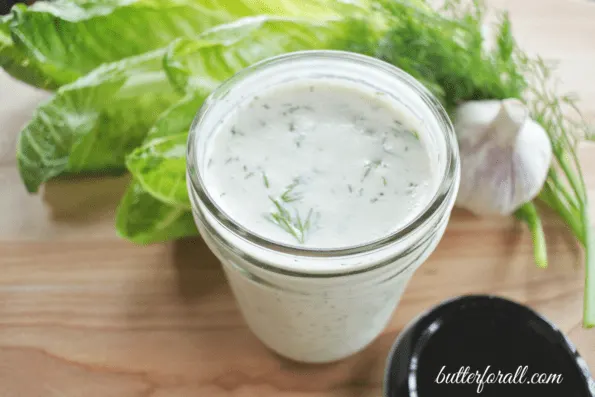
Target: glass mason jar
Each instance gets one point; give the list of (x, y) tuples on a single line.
[(339, 300)]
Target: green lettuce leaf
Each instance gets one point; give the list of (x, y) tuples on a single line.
[(93, 123), (16, 63), (65, 39), (143, 219), (178, 118), (156, 207), (159, 166), (202, 64)]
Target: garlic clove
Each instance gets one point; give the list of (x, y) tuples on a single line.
[(509, 121), (505, 156), (533, 173)]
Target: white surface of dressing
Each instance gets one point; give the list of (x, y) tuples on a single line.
[(319, 164)]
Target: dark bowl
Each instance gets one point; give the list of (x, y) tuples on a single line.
[(477, 332)]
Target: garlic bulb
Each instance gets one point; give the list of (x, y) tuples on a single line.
[(505, 156)]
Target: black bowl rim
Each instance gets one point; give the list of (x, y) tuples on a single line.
[(459, 300)]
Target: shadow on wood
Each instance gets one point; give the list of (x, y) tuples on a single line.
[(198, 271), (84, 200), (560, 239)]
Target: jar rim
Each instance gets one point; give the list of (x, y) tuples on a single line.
[(448, 181)]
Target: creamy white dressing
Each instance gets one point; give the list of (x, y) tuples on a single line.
[(319, 164), (336, 159)]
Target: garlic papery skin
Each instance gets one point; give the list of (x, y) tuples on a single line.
[(505, 156)]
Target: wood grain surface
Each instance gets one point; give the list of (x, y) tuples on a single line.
[(83, 313)]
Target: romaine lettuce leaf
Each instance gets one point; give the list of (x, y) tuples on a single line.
[(156, 207), (201, 64), (65, 39), (143, 219), (160, 167), (16, 63), (93, 123), (160, 164), (178, 118)]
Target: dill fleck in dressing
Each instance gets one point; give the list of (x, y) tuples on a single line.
[(319, 164)]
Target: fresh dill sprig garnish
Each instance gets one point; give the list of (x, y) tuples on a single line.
[(265, 179), (289, 194), (292, 224), (282, 216)]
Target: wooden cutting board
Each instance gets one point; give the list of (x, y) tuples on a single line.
[(83, 313)]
